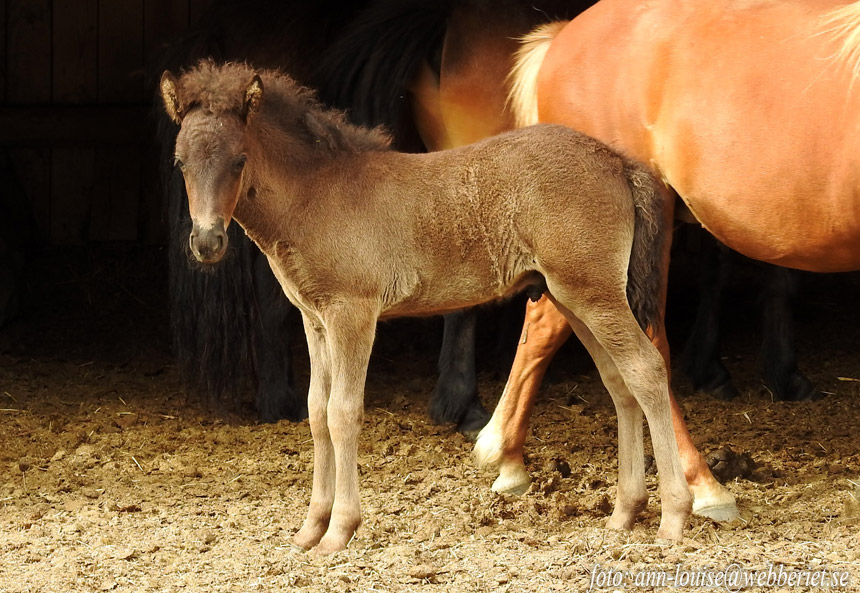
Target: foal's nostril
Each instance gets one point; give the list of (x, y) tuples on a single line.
[(208, 245)]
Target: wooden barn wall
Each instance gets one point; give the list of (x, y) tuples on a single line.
[(75, 117)]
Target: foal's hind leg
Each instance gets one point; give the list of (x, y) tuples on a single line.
[(322, 494), (642, 370), (631, 496)]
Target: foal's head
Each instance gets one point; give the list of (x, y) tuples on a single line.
[(213, 111)]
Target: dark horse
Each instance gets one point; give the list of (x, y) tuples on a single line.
[(230, 324), (356, 232)]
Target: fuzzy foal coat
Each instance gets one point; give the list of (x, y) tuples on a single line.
[(356, 232)]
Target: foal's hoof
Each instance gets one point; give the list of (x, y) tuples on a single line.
[(297, 548), (305, 539), (329, 546), (672, 529)]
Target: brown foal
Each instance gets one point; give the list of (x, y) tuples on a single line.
[(356, 232)]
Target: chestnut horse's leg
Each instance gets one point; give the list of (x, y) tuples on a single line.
[(500, 444), (322, 494), (350, 331)]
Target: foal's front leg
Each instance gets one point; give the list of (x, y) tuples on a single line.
[(322, 495), (350, 334)]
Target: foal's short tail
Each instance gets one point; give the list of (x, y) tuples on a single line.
[(645, 271)]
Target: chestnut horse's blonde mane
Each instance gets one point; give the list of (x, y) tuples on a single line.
[(522, 96), (843, 24)]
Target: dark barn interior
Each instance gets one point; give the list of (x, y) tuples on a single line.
[(112, 478), (81, 200)]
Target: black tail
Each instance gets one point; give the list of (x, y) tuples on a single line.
[(370, 68), (368, 71), (645, 272)]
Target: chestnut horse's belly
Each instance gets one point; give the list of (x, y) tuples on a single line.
[(742, 114), (784, 228)]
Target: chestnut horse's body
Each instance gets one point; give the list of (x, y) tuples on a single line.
[(748, 109), (742, 107), (356, 232)]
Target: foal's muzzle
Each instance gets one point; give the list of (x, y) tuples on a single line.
[(210, 243)]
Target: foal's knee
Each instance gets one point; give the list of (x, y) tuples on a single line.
[(344, 418)]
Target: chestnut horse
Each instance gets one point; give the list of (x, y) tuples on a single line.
[(750, 111), (356, 232)]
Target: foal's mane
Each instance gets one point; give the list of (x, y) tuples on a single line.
[(293, 108), (844, 24)]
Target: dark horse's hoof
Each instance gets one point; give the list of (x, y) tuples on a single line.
[(281, 405), (461, 407), (724, 391), (796, 388), (473, 421)]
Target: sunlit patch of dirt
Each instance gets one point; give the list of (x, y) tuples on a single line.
[(111, 481)]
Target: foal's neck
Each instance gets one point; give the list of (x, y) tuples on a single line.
[(302, 158), (288, 188)]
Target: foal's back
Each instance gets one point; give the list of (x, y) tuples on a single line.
[(496, 214)]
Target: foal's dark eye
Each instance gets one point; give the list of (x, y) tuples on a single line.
[(239, 163), (177, 162)]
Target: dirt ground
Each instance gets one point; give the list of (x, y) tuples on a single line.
[(111, 481)]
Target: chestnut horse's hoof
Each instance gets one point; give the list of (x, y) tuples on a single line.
[(514, 480), (714, 502)]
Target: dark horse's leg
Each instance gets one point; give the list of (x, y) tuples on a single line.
[(276, 394), (455, 398), (779, 361), (701, 357)]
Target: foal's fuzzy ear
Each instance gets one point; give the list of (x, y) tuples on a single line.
[(170, 96), (253, 95)]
